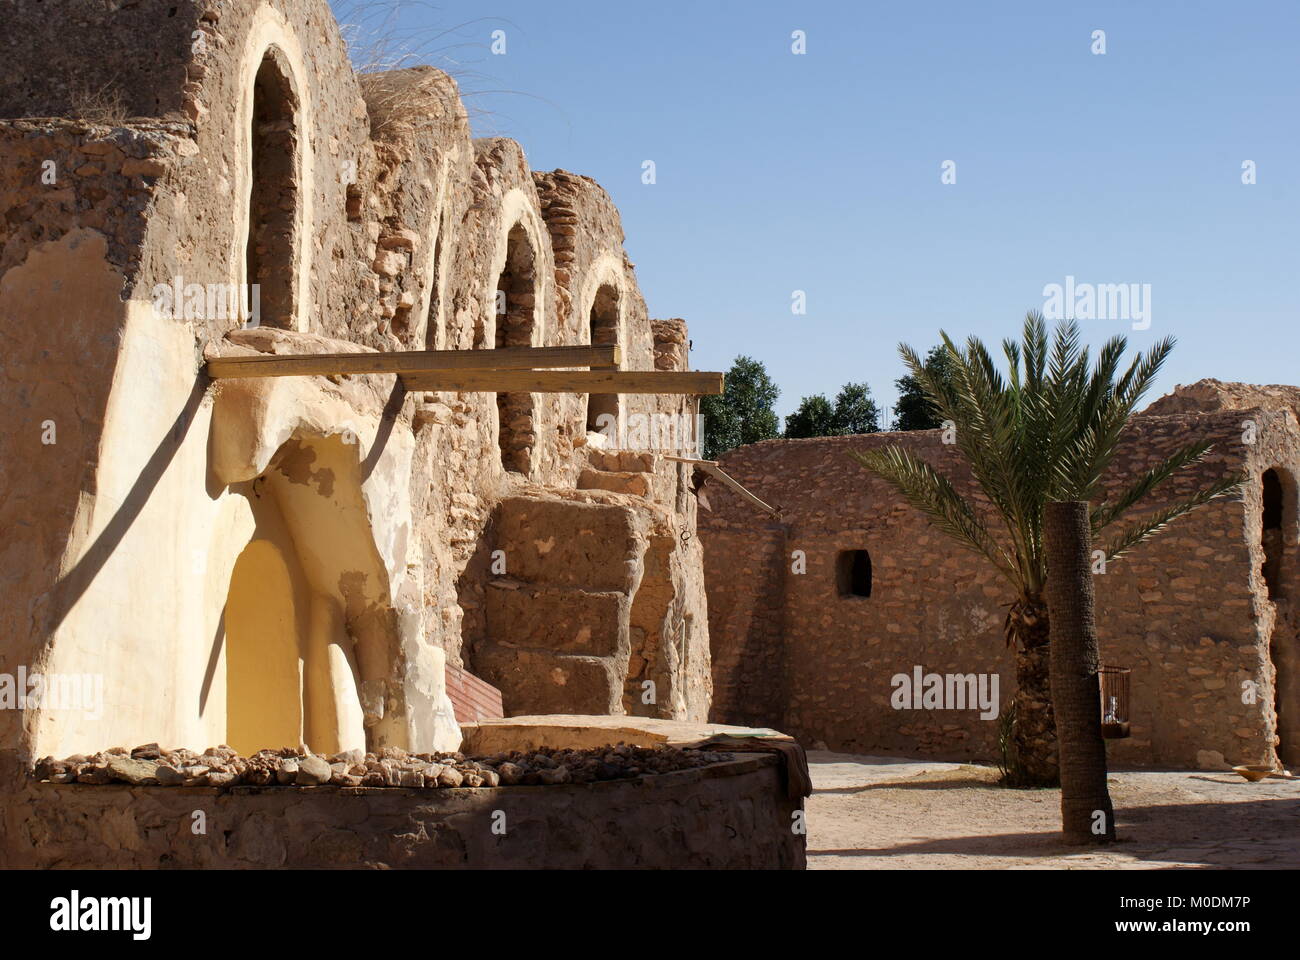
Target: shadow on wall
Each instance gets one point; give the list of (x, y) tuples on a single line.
[(81, 575), (214, 659), (311, 634), (296, 619), (78, 579), (387, 421)]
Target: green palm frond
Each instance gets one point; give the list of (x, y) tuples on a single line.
[(1110, 406), (931, 493), (1157, 521), (987, 413), (1108, 511), (1046, 429)]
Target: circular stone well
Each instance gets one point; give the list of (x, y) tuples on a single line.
[(732, 814)]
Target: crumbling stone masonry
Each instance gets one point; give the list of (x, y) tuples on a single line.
[(284, 561), (1203, 613), (733, 812)]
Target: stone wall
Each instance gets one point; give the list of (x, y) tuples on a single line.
[(732, 814), (745, 560), (1188, 611), (379, 224)]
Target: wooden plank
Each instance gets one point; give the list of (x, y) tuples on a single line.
[(731, 482), (712, 469), (412, 361), (567, 381), (694, 460)]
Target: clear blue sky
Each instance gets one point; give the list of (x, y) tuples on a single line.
[(821, 172)]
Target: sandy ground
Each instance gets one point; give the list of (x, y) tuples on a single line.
[(887, 813)]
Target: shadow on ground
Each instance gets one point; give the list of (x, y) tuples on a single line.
[(1209, 834)]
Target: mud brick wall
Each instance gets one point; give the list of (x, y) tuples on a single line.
[(744, 562), (1188, 611)]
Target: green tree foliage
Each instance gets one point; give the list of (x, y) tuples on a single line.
[(743, 413), (815, 417), (853, 412), (914, 409)]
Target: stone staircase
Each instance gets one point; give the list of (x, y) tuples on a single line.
[(595, 611), (558, 635), (621, 471)]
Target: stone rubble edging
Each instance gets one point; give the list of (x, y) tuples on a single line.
[(222, 766)]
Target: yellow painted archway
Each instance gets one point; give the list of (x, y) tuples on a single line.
[(263, 662)]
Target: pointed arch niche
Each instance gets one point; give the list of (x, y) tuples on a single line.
[(604, 325), (272, 249), (516, 326)]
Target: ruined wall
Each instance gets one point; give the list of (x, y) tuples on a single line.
[(378, 223), (1188, 611)]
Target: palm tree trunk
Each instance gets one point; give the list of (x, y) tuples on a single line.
[(1086, 812), (1034, 733)]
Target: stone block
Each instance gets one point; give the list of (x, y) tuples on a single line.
[(562, 543), (534, 681), (560, 619)]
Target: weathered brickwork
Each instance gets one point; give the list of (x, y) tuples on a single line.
[(226, 142), (1189, 611)]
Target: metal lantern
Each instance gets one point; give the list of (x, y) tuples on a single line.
[(1114, 701)]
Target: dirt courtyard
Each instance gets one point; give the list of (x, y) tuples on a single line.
[(890, 813)]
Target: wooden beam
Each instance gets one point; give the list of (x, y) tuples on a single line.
[(567, 381), (412, 361), (712, 469), (694, 461)]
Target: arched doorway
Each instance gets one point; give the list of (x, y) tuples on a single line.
[(516, 299), (274, 199), (1271, 533), (263, 662), (1277, 539)]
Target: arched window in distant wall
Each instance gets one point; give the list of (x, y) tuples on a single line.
[(515, 322), (272, 252)]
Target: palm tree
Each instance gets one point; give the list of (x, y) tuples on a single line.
[(1046, 431), (1087, 815)]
